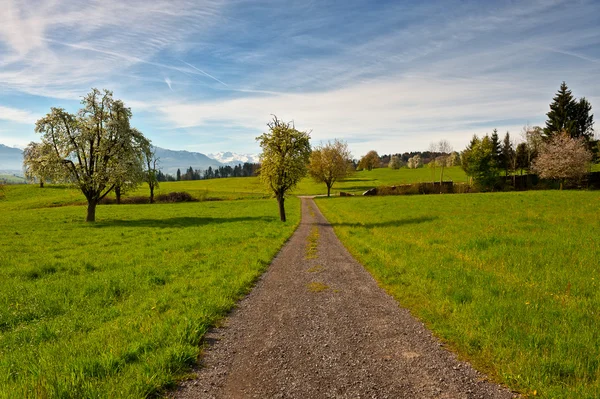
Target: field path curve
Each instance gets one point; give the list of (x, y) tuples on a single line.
[(317, 325)]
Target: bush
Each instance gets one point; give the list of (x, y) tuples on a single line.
[(180, 196)]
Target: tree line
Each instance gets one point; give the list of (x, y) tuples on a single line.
[(562, 150), (240, 170)]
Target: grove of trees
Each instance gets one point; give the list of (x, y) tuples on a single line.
[(561, 150)]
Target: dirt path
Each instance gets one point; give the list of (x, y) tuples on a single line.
[(318, 326)]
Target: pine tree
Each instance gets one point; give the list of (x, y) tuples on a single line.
[(496, 149), (584, 120), (562, 113), (178, 175), (507, 155)]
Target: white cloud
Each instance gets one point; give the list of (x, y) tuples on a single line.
[(398, 111), (17, 115)]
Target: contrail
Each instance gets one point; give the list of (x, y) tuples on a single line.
[(204, 73)]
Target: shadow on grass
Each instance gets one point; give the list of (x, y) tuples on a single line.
[(389, 223), (180, 221)]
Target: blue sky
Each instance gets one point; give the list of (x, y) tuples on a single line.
[(392, 76)]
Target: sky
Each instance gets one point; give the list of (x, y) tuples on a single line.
[(390, 76)]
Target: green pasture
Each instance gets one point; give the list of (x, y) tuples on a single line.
[(511, 281), (251, 187), (363, 180), (118, 308)]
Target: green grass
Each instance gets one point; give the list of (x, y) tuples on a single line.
[(118, 308), (510, 280), (11, 179), (364, 180)]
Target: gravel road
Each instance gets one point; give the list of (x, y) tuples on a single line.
[(317, 325)]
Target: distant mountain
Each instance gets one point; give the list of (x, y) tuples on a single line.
[(170, 160), (11, 159), (232, 158)]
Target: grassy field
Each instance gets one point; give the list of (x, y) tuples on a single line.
[(250, 187), (118, 308), (510, 280), (364, 180)]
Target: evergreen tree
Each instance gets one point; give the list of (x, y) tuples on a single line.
[(507, 155), (178, 175), (522, 155), (562, 112), (584, 120), (496, 148)]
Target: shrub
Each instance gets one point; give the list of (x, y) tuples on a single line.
[(180, 196)]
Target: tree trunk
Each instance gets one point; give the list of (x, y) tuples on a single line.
[(91, 211), (41, 184), (561, 184), (328, 190), (118, 194), (152, 194), (280, 200)]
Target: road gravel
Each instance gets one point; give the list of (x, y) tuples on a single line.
[(317, 325)]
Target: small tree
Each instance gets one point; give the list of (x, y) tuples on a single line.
[(395, 162), (369, 161), (151, 173), (285, 154), (415, 162), (453, 159), (94, 146), (563, 157), (478, 162), (329, 163), (522, 157), (507, 155), (444, 149)]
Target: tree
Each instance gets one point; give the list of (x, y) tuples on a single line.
[(443, 149), (93, 147), (453, 159), (534, 137), (285, 154), (369, 161), (563, 157), (415, 162), (40, 163), (560, 116), (129, 172), (329, 163), (569, 115), (478, 162), (507, 155), (522, 157), (151, 173), (496, 149), (395, 162), (179, 174), (584, 120)]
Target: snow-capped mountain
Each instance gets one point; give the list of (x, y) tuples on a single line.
[(232, 158)]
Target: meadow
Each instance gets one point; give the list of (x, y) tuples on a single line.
[(510, 281), (118, 308), (233, 188)]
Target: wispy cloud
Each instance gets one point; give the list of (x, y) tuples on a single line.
[(18, 115), (395, 75), (204, 73), (168, 82)]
